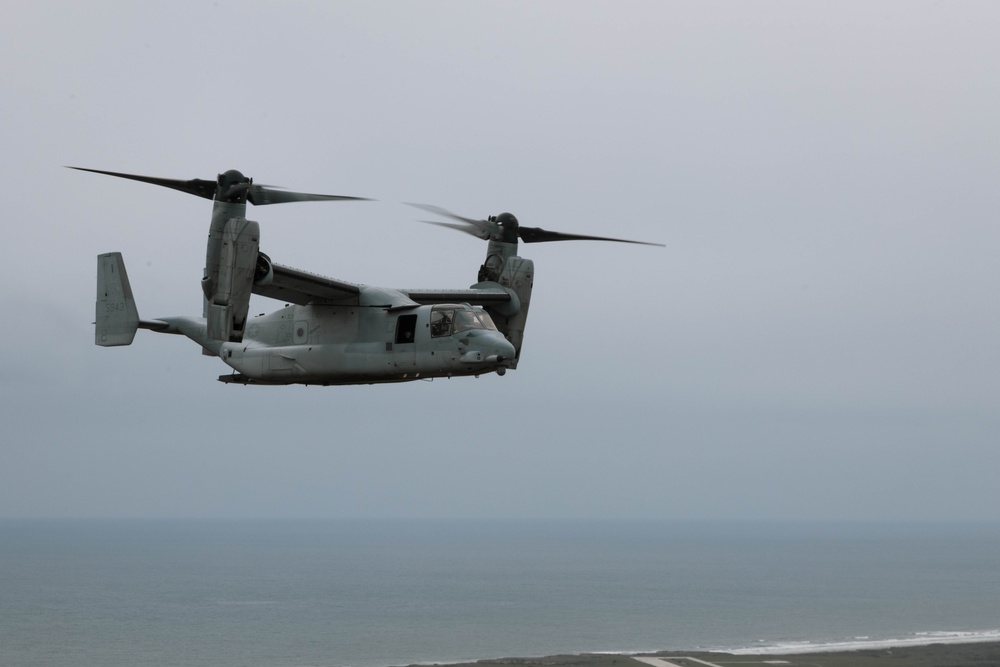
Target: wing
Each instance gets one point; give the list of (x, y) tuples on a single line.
[(476, 297), (302, 287)]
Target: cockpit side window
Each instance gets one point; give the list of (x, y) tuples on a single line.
[(441, 321)]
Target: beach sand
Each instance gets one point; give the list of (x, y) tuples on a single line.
[(985, 654)]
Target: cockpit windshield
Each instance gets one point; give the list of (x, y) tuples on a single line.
[(448, 319), (485, 319)]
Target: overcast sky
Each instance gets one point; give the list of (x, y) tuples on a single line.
[(818, 340)]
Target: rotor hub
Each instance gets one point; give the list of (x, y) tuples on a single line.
[(508, 227), (232, 186)]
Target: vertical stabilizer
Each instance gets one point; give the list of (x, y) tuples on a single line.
[(117, 317)]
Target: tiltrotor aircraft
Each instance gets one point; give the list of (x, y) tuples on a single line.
[(332, 332)]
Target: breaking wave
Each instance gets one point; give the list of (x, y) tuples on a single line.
[(859, 643)]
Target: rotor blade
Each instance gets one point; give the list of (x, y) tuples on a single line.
[(448, 214), (483, 229), (539, 235), (261, 195), (195, 186), (486, 229), (462, 227)]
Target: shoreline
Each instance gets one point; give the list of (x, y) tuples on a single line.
[(951, 654)]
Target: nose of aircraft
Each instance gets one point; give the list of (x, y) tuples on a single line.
[(505, 351), (489, 347)]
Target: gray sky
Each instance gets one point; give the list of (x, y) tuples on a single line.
[(817, 341)]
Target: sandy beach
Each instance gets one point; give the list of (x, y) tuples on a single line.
[(984, 654)]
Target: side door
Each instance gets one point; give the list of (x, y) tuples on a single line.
[(404, 345)]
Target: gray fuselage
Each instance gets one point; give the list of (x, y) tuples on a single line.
[(330, 344)]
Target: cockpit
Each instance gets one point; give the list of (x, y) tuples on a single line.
[(448, 319)]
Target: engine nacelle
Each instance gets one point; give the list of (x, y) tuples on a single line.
[(227, 292), (263, 273), (517, 275)]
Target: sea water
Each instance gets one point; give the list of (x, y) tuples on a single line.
[(378, 593)]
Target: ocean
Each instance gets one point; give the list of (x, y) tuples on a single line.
[(379, 593)]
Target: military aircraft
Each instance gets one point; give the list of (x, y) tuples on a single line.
[(332, 332)]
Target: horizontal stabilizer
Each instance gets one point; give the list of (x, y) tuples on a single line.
[(117, 318)]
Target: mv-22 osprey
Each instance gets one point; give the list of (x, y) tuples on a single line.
[(333, 332)]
